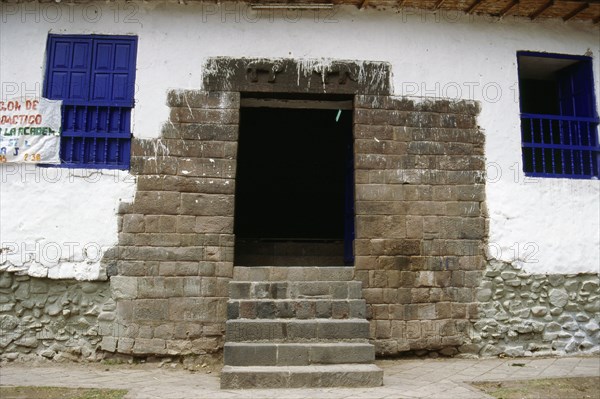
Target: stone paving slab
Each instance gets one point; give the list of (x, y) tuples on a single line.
[(403, 379)]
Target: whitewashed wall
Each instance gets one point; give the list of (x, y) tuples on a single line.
[(552, 224)]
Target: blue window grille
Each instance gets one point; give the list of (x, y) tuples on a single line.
[(559, 120), (94, 75)]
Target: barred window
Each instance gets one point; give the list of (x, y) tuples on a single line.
[(94, 75), (559, 119)]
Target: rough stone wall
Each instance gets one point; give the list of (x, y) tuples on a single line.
[(525, 314), (175, 253), (420, 223), (55, 319)]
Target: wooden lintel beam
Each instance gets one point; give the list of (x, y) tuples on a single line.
[(509, 7), (295, 104), (473, 6), (576, 11), (580, 1), (596, 20), (438, 4), (364, 4), (540, 10), (401, 3)]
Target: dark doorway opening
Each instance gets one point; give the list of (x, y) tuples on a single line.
[(294, 200)]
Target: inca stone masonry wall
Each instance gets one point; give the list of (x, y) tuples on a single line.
[(420, 223), (175, 253)]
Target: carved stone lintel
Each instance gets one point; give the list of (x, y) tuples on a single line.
[(285, 75), (254, 68), (342, 71)]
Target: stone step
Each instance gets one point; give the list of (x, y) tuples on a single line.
[(295, 289), (296, 308), (308, 273), (297, 354), (338, 375), (294, 327), (294, 330)]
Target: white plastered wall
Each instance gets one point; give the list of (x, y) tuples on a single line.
[(544, 225)]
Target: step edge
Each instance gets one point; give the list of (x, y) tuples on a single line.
[(340, 344), (305, 321), (364, 367)]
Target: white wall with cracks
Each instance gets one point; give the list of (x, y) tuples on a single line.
[(539, 225)]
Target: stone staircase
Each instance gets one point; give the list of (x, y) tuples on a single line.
[(295, 327)]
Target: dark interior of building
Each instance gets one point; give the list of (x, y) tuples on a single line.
[(291, 185)]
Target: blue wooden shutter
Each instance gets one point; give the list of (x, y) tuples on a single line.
[(575, 90), (112, 72), (68, 68), (576, 102), (94, 76)]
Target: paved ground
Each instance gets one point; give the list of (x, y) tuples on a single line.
[(431, 378)]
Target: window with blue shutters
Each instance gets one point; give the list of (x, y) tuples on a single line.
[(94, 75), (559, 119)]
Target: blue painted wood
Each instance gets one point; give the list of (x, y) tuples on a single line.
[(564, 145), (561, 147), (349, 225), (560, 117), (94, 75), (552, 55), (576, 146), (564, 175)]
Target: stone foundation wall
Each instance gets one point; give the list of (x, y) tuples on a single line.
[(523, 314), (55, 319)]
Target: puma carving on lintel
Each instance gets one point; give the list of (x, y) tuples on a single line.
[(341, 70), (272, 68)]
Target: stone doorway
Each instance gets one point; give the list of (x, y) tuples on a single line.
[(419, 205), (317, 227), (294, 199)]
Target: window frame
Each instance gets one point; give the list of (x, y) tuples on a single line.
[(125, 134), (593, 122)]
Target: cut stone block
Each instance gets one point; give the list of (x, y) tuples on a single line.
[(339, 375), (298, 308), (295, 289), (239, 330), (297, 354), (310, 273)]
